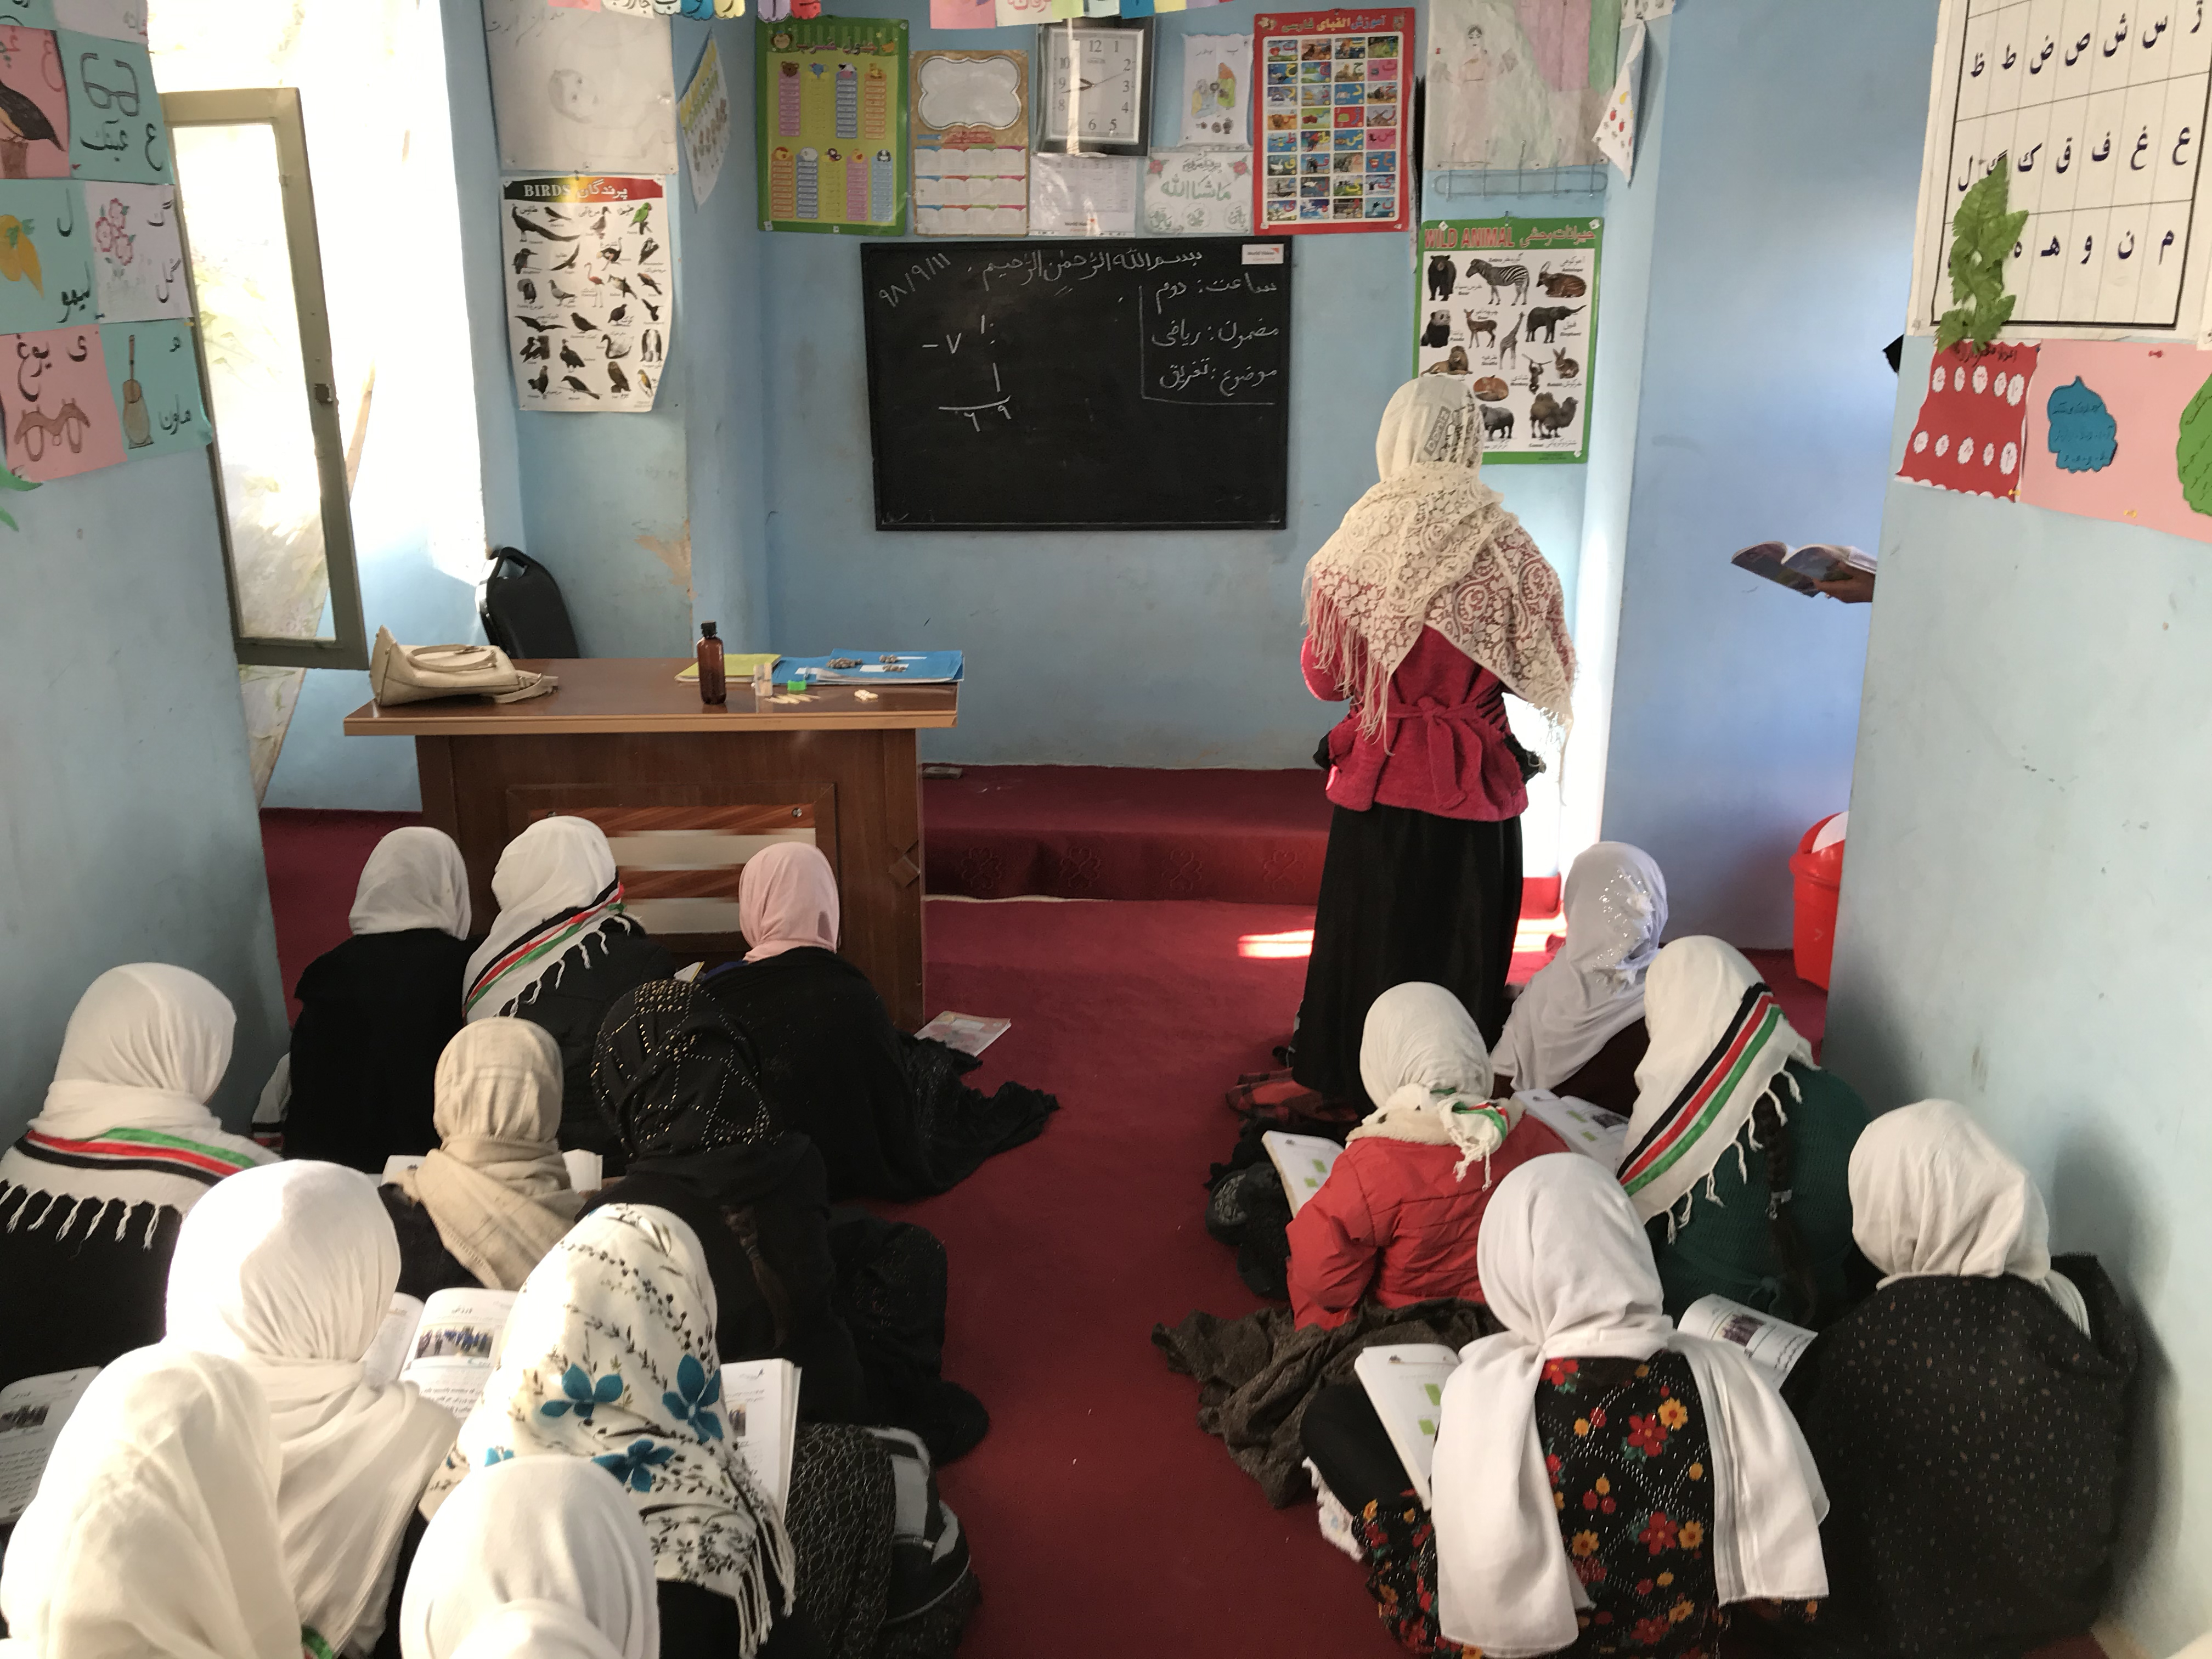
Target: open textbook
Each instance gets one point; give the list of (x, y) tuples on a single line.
[(447, 1347), (970, 1033), (1302, 1161), (1773, 1345), (1405, 1383), (760, 1403), (31, 1411), (1587, 1128), (1800, 568)]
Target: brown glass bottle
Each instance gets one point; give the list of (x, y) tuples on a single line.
[(713, 689)]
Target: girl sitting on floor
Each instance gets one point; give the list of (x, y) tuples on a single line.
[(1400, 1213), (1971, 1416), (561, 950), (375, 1012), (1577, 1027), (1740, 1146), (489, 1201), (289, 1271)]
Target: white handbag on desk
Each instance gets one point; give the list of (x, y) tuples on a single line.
[(417, 673)]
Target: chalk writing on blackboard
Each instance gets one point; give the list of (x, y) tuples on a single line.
[(1200, 344)]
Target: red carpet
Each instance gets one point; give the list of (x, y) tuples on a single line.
[(315, 859)]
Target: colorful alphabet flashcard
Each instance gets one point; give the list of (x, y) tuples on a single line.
[(591, 294), (1336, 92), (137, 254), (833, 125), (153, 374), (59, 409), (115, 126), (1510, 307), (47, 257), (34, 105)]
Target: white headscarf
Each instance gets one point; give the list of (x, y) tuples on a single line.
[(610, 1355), (556, 886), (1433, 546), (1564, 1263), (154, 1529), (1719, 1043), (496, 1188), (1422, 1061), (536, 1555), (1615, 900), (1933, 1196), (289, 1270), (787, 899), (415, 878)]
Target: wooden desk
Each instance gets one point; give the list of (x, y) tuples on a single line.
[(687, 793)]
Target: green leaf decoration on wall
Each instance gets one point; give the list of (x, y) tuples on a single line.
[(12, 481), (1982, 237), (2192, 450)]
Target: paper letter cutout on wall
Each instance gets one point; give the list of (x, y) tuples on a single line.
[(2146, 388), (1973, 421), (2083, 435)]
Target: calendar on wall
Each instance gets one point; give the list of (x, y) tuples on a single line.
[(2098, 109)]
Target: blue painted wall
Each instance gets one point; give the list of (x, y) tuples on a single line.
[(2024, 913), (127, 829), (1787, 190)]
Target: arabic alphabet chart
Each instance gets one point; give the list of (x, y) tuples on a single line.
[(591, 293), (137, 254), (59, 410), (832, 145), (1510, 306), (1199, 192), (2099, 112), (47, 263), (1336, 91), (154, 376), (971, 135), (115, 126)]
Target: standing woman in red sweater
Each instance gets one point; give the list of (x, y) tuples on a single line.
[(1428, 605)]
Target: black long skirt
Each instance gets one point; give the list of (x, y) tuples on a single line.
[(1405, 896)]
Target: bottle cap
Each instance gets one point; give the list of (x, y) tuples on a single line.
[(707, 630)]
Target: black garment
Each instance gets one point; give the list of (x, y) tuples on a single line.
[(893, 1278), (83, 1287), (1250, 1210), (889, 1116), (762, 1216), (374, 1015), (1405, 895), (425, 1263), (1352, 1448), (1608, 1077), (572, 1005), (697, 1622), (1972, 1443)]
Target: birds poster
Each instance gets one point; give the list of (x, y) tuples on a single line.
[(590, 291)]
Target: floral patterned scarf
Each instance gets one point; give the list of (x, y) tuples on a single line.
[(609, 1355)]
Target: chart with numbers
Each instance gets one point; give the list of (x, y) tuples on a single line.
[(2100, 109)]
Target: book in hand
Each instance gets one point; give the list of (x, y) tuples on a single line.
[(1587, 1128), (447, 1347), (31, 1411), (1405, 1383), (1302, 1161), (1800, 568), (1773, 1345), (759, 1407)]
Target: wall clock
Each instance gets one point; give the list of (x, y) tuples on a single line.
[(1096, 94)]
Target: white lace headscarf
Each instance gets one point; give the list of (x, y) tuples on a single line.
[(1432, 546), (1616, 908)]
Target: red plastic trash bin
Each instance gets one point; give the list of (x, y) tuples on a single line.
[(1817, 878)]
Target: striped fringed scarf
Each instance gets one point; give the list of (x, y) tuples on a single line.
[(45, 1178), (508, 979)]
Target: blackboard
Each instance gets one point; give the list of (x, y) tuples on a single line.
[(1079, 385)]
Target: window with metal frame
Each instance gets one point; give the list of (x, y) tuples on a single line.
[(247, 204)]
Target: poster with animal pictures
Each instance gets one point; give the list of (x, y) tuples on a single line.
[(971, 144), (1216, 90), (1510, 306), (34, 105), (590, 296), (1336, 89), (1519, 84), (832, 149), (579, 91)]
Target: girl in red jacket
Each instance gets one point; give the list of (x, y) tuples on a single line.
[(1398, 1216)]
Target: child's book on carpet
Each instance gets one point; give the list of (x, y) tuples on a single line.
[(447, 1345), (31, 1411), (1302, 1161), (1773, 1345), (1590, 1129), (970, 1033), (1800, 568), (759, 1401), (1405, 1383)]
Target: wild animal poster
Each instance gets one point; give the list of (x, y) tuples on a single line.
[(1336, 90), (591, 296), (832, 146), (1510, 306), (1518, 83)]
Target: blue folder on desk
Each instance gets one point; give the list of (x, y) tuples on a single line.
[(919, 668)]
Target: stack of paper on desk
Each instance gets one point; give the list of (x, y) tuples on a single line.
[(903, 668)]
